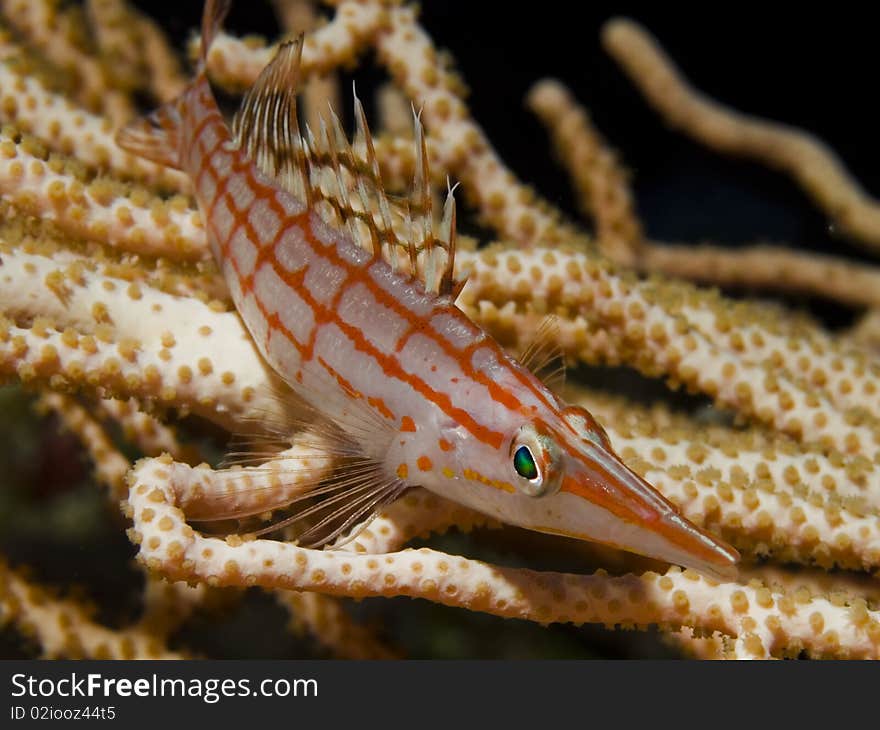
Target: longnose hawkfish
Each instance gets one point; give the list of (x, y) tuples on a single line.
[(356, 312)]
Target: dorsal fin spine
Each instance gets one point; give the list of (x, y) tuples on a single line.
[(447, 233), (363, 130), (334, 151), (343, 178), (266, 125), (410, 233), (422, 193), (363, 194), (312, 152)]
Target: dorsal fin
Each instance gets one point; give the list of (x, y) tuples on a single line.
[(447, 284), (544, 355), (363, 139), (266, 126), (342, 180), (402, 228)]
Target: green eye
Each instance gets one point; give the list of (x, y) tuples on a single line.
[(524, 463)]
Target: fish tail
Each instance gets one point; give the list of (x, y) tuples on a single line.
[(157, 136), (213, 16)]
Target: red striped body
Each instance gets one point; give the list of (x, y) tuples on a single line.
[(447, 408), (326, 313)]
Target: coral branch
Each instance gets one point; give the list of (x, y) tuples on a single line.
[(604, 194), (601, 183), (73, 130), (50, 30), (110, 465), (113, 338), (766, 623), (744, 358), (767, 267), (325, 618), (799, 154), (63, 628), (106, 210), (462, 147), (236, 63)]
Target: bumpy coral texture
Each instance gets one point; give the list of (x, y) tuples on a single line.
[(113, 314)]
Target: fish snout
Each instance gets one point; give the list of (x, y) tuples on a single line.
[(621, 509)]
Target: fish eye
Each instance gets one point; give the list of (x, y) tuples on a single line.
[(536, 460), (525, 465)]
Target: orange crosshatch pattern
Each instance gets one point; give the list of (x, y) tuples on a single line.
[(200, 119), (318, 305), (113, 290), (206, 121)]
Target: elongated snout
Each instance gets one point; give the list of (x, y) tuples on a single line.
[(602, 500)]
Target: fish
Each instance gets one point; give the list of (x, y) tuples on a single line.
[(355, 310)]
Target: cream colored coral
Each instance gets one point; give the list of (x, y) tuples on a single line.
[(167, 606), (63, 628), (110, 465), (604, 195), (763, 623), (865, 333), (50, 29), (165, 78), (463, 149), (116, 37), (105, 210), (133, 49), (237, 63), (696, 339), (123, 339), (767, 267), (600, 180), (73, 130), (144, 430)]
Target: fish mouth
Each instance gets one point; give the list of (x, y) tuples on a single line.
[(602, 500)]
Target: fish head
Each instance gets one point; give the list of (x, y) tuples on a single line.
[(569, 481)]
